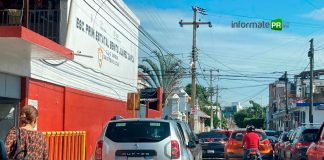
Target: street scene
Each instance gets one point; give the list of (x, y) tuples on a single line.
[(161, 80)]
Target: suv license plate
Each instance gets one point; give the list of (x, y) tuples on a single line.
[(135, 158), (210, 151)]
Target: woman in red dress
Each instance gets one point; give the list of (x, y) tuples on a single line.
[(32, 143)]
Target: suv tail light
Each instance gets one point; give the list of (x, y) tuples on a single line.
[(98, 151), (175, 149), (300, 145), (230, 141), (222, 141)]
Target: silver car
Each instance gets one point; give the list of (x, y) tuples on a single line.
[(141, 139)]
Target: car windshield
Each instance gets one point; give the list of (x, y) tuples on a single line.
[(309, 135), (138, 131), (239, 136)]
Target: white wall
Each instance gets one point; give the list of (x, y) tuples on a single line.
[(104, 33), (318, 115)]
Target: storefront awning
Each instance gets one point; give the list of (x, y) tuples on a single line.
[(19, 45)]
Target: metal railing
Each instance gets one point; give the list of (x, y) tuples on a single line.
[(66, 145), (43, 21)]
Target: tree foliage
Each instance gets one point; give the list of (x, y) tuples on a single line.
[(253, 115), (166, 72)]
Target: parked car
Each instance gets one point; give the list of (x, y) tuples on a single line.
[(190, 137), (142, 139), (316, 149), (272, 136), (233, 148), (277, 150), (304, 136), (213, 144)]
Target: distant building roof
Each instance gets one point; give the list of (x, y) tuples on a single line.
[(202, 114)]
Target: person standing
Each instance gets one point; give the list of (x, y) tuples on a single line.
[(32, 143)]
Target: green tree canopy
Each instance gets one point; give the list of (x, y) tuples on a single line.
[(253, 115), (166, 72)]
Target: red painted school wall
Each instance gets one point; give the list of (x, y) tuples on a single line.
[(64, 109), (151, 113), (90, 112), (50, 99)]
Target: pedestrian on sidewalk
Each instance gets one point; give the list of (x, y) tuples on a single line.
[(24, 142)]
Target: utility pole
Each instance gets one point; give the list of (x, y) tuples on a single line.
[(286, 91), (211, 92), (220, 110), (311, 58), (195, 25)]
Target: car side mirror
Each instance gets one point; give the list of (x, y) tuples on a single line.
[(191, 144)]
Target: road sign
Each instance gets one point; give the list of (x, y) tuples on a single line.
[(193, 110), (287, 117)]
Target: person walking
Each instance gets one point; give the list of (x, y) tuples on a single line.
[(32, 143)]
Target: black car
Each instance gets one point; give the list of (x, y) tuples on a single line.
[(213, 144), (304, 136)]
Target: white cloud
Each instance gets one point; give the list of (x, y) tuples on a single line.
[(317, 14)]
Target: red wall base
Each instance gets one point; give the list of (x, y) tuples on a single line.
[(62, 108)]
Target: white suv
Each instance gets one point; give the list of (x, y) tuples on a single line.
[(141, 139)]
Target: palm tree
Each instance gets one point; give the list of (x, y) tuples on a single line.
[(165, 72)]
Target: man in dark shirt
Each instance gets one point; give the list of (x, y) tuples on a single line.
[(251, 141)]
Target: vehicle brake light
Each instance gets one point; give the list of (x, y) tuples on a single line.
[(265, 142), (210, 140), (300, 145), (222, 141), (230, 142), (175, 149), (98, 151), (233, 142)]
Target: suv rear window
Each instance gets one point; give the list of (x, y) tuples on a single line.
[(239, 135), (138, 131)]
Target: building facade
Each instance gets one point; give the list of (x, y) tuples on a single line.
[(298, 102), (73, 60)]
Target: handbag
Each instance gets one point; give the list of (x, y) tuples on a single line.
[(18, 151)]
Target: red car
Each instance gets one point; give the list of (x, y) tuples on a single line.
[(233, 148), (316, 149)]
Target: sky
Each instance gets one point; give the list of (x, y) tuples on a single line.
[(247, 59)]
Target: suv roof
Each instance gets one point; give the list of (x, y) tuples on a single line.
[(140, 119)]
